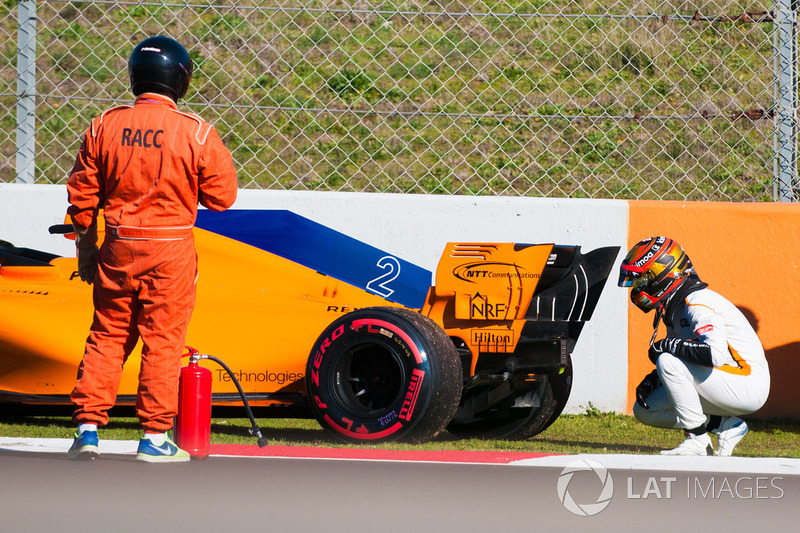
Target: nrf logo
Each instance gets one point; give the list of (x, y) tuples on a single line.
[(481, 308)]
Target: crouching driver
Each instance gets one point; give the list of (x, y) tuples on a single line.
[(710, 367)]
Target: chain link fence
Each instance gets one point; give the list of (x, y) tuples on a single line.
[(628, 99)]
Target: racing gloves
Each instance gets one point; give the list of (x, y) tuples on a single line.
[(690, 351), (86, 244), (648, 385)]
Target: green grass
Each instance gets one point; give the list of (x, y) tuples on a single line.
[(405, 101), (593, 432)]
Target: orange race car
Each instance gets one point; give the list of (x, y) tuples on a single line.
[(308, 318)]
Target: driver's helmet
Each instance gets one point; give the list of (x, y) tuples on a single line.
[(161, 65), (653, 269)]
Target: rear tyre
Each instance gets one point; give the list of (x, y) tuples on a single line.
[(543, 405), (383, 374), (562, 386), (509, 421)]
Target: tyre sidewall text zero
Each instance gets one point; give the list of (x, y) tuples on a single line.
[(373, 374)]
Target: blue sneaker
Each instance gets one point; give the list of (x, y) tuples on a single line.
[(166, 453), (84, 446)]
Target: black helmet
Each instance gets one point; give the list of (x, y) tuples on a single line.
[(160, 65)]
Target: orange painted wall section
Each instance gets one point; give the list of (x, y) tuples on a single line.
[(749, 254)]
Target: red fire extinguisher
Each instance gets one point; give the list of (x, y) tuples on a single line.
[(193, 426)]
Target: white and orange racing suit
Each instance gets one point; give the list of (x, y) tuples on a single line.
[(720, 370), (147, 167)]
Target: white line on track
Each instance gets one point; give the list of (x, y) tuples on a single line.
[(711, 465), (697, 464), (22, 444)]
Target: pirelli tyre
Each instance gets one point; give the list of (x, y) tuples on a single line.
[(383, 374), (519, 417)]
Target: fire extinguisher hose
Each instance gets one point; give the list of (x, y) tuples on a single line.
[(254, 430)]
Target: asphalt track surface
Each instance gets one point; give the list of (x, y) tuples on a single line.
[(247, 488)]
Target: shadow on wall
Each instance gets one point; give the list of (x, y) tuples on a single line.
[(784, 369)]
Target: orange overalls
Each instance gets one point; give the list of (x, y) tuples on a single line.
[(146, 166)]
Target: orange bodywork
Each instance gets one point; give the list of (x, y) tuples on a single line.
[(258, 312), (507, 307), (483, 293)]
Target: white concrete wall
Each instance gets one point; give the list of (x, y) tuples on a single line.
[(416, 228), (26, 211)]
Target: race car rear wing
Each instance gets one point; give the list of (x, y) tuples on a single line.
[(507, 281), (529, 300)]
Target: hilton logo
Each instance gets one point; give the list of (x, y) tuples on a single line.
[(492, 337)]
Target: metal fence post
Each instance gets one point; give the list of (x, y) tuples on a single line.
[(786, 101), (26, 92)]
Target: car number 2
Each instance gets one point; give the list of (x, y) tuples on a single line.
[(391, 267)]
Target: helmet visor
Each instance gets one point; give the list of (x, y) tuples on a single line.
[(632, 279)]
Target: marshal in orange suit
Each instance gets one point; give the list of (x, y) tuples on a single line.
[(147, 167)]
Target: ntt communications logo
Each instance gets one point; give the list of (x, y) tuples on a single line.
[(591, 508)]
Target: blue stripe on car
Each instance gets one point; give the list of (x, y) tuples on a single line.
[(323, 249)]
